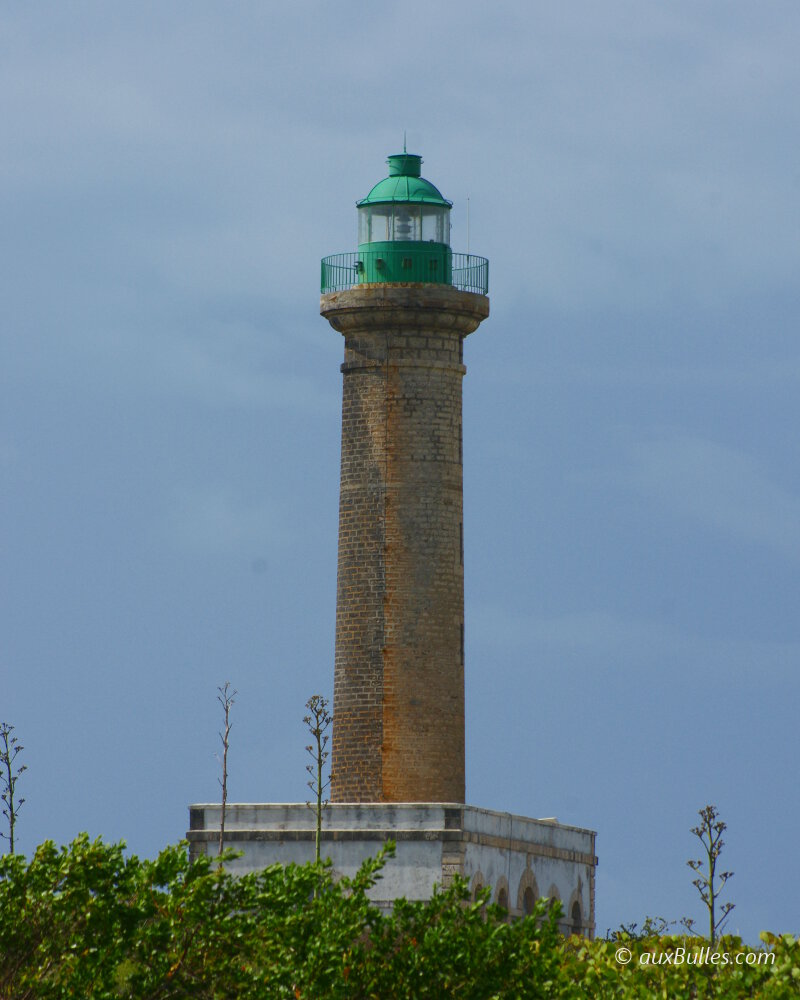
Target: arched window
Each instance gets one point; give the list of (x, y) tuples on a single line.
[(577, 920), (528, 901), (502, 898)]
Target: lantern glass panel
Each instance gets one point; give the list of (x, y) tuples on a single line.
[(435, 224), (374, 223), (406, 223)]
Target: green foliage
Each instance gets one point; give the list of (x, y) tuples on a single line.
[(89, 923), (652, 927), (678, 966)]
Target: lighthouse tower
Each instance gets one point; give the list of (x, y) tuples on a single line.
[(404, 304)]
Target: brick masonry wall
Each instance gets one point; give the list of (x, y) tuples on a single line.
[(398, 731)]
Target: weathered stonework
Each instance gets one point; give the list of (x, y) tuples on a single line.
[(398, 730)]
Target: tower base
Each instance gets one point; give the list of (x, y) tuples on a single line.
[(520, 858)]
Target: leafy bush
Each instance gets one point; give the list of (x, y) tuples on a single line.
[(87, 922)]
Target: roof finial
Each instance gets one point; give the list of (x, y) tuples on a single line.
[(404, 141)]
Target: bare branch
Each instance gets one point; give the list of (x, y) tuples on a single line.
[(226, 698), (710, 884), (10, 748), (317, 722)]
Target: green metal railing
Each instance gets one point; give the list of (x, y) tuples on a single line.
[(463, 271)]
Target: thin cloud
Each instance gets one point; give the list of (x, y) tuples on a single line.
[(216, 521), (212, 371), (591, 640), (719, 486), (728, 374)]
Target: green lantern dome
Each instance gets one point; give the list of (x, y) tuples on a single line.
[(404, 183)]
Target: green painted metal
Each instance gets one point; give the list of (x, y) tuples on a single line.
[(404, 188), (341, 271), (392, 261), (404, 183), (409, 164)]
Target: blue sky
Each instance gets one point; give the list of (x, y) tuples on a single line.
[(169, 408)]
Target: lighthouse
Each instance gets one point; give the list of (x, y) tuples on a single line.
[(404, 303)]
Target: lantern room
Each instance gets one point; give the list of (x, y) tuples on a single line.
[(404, 227), (404, 207), (404, 237)]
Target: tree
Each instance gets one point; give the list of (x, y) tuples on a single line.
[(317, 721), (10, 747), (226, 698), (709, 883)]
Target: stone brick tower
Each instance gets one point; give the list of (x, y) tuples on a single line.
[(404, 303)]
